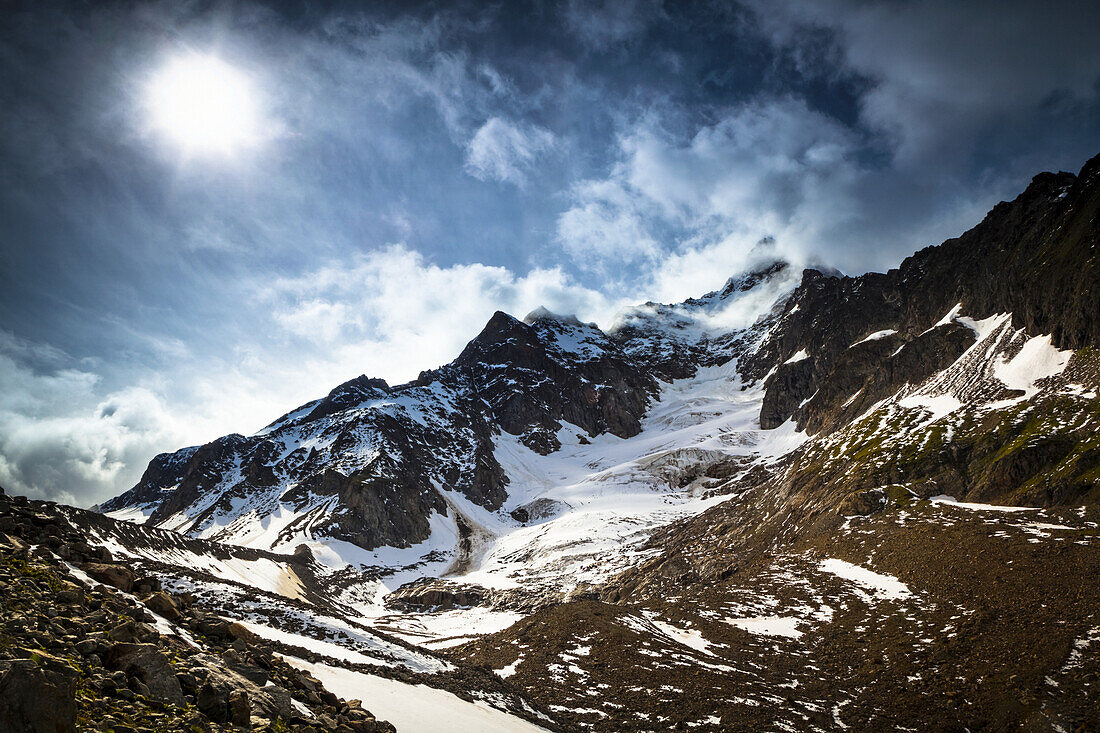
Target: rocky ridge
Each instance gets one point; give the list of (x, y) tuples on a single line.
[(1035, 258), (85, 643), (89, 641)]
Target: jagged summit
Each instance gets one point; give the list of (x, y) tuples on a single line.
[(741, 283), (542, 313), (352, 392)]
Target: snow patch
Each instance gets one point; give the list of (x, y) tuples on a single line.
[(327, 648), (509, 670), (1038, 359), (876, 336), (415, 708), (881, 585), (769, 625), (938, 405), (799, 356), (945, 499), (690, 638)]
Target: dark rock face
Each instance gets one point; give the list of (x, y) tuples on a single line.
[(196, 480), (534, 375), (1035, 257), (38, 699), (786, 388), (145, 662), (871, 371)]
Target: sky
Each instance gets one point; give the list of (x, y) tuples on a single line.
[(388, 174)]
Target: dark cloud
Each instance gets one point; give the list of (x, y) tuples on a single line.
[(600, 23), (938, 73), (422, 164)]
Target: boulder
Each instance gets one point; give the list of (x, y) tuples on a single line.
[(38, 698), (69, 596), (162, 604), (212, 701), (210, 626), (146, 584), (268, 701), (863, 503), (431, 593), (240, 711), (146, 663), (130, 631), (239, 631), (111, 574)]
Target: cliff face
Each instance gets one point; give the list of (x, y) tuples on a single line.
[(1035, 258)]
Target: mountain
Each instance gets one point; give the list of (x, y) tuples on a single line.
[(803, 501), (375, 465)]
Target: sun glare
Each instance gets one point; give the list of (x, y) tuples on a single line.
[(204, 105)]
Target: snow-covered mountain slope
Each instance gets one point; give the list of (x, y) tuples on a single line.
[(715, 483), (581, 485), (925, 615), (373, 465)]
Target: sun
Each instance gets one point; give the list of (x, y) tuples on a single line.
[(204, 105)]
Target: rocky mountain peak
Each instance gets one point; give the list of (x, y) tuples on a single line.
[(542, 313), (743, 283)]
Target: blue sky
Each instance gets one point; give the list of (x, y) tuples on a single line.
[(415, 167)]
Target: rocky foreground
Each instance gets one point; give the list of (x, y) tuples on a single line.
[(973, 618), (86, 644)]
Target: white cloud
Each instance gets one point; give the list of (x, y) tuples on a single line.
[(770, 168), (763, 163), (607, 226), (68, 436), (59, 438), (504, 151), (392, 313)]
